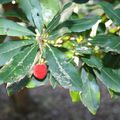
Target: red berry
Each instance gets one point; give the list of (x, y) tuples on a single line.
[(40, 71)]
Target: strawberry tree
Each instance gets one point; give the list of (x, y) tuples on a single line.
[(57, 44)]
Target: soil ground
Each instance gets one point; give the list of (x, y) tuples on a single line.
[(49, 104)]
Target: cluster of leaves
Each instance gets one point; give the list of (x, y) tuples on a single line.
[(79, 51)]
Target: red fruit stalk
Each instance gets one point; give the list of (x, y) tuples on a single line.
[(40, 71)]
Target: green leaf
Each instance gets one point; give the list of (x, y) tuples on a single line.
[(60, 17), (63, 71), (80, 1), (25, 82), (49, 9), (110, 73), (84, 50), (108, 42), (108, 8), (12, 48), (17, 86), (10, 28), (113, 94), (117, 11), (93, 62), (36, 83), (15, 13), (33, 11), (53, 82), (58, 33), (75, 25), (80, 25), (90, 96), (19, 66), (75, 96), (5, 1), (110, 77)]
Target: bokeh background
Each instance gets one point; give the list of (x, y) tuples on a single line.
[(44, 103)]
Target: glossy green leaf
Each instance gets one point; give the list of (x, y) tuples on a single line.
[(93, 62), (110, 77), (108, 8), (19, 66), (90, 96), (75, 96), (33, 11), (63, 71), (12, 48), (10, 28), (108, 42)]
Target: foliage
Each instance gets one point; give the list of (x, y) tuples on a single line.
[(79, 49)]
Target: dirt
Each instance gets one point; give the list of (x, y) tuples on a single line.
[(55, 104)]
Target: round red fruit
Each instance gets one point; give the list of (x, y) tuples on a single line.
[(40, 71)]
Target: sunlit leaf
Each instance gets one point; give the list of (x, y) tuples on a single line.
[(75, 96)]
